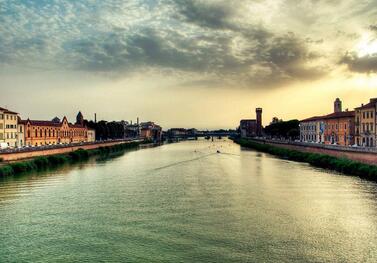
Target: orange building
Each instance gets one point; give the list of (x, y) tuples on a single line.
[(340, 128), (335, 128), (38, 133)]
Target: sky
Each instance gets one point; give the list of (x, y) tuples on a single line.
[(186, 63)]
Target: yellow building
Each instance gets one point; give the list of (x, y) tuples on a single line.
[(365, 124), (8, 127), (91, 135), (21, 134)]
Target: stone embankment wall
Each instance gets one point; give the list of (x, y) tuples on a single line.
[(6, 157), (356, 155)]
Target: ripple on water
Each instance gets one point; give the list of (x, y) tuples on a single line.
[(187, 203)]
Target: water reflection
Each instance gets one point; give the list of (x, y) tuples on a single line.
[(186, 202)]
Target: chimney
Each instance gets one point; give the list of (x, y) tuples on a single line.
[(95, 117), (137, 120)]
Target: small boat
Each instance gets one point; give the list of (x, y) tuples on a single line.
[(218, 151)]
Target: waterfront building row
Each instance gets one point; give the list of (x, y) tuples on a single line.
[(15, 132), (346, 128)]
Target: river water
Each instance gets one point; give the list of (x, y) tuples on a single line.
[(185, 202)]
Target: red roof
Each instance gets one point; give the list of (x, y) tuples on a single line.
[(371, 104), (334, 115), (315, 118), (41, 123), (342, 114)]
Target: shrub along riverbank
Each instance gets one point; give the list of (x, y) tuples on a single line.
[(52, 161), (341, 165)]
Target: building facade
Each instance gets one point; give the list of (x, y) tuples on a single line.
[(248, 128), (252, 127), (9, 127), (91, 135), (39, 133), (21, 134), (335, 128), (312, 130), (340, 128), (150, 131), (365, 124)]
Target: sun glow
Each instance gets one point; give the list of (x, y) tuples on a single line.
[(367, 46)]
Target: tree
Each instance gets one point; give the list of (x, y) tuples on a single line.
[(284, 129)]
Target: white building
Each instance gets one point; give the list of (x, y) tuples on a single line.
[(312, 130), (9, 127)]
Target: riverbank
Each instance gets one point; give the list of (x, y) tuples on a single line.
[(342, 165), (32, 152), (52, 161)]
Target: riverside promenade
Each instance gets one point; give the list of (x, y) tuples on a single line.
[(27, 153), (361, 154)]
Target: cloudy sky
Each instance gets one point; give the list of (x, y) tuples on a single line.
[(186, 63)]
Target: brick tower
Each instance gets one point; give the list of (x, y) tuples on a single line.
[(259, 121)]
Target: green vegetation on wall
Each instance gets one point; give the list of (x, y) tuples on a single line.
[(52, 161), (341, 165)]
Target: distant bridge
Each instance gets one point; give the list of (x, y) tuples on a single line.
[(200, 135)]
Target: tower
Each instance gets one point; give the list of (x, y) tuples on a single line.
[(337, 105), (80, 118), (259, 121)]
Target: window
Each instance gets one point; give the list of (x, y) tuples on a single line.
[(36, 133), (1, 116), (28, 133), (40, 133)]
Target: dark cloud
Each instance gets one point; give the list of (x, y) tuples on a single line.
[(269, 59), (373, 27), (194, 36), (205, 13), (365, 64)]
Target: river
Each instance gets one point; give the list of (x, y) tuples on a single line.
[(185, 202)]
